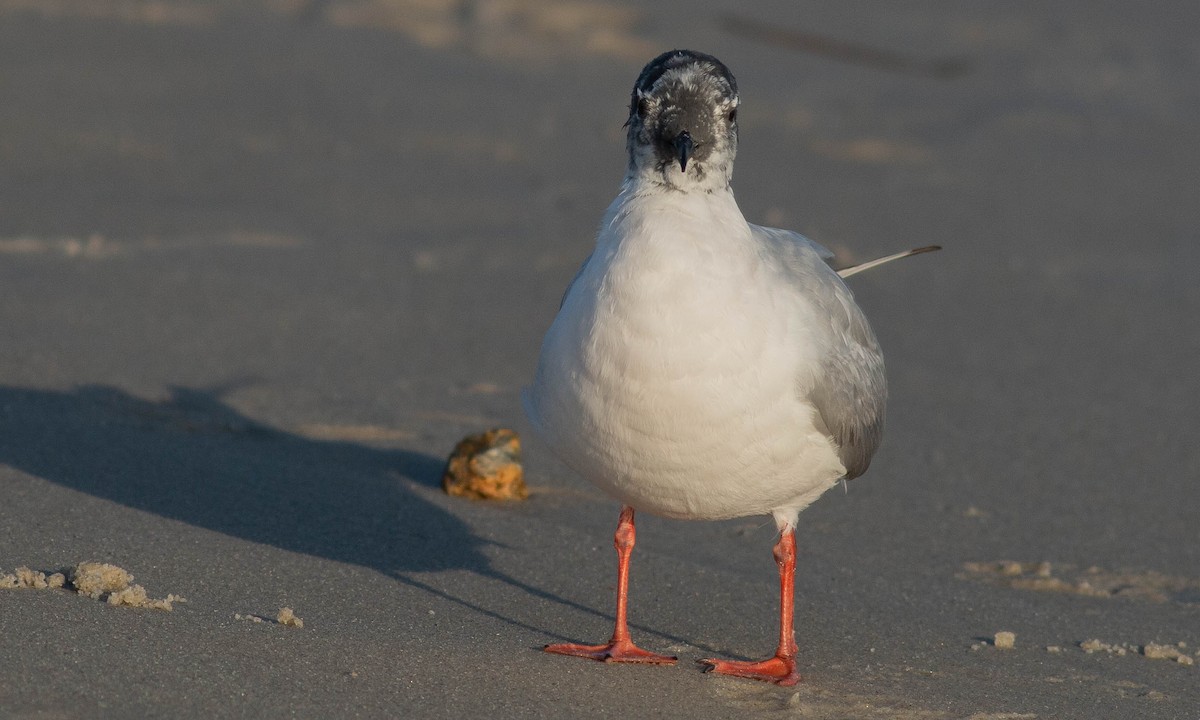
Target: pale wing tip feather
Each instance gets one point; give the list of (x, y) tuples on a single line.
[(855, 269)]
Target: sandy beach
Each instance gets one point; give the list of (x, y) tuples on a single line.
[(263, 264)]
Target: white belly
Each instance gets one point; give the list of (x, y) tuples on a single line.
[(675, 391)]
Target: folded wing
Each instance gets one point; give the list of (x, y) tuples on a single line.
[(850, 393)]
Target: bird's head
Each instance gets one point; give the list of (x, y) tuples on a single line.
[(683, 122)]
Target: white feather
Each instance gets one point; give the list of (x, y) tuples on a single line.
[(669, 378)]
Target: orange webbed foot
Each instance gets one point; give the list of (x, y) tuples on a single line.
[(616, 651), (778, 669)]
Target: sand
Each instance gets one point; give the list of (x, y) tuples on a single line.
[(286, 617), (114, 585), (1092, 581), (98, 581), (1150, 651), (23, 577), (264, 264)]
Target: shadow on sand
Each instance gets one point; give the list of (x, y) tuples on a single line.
[(193, 458)]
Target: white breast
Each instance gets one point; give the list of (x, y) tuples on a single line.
[(669, 377)]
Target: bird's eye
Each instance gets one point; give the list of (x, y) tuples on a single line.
[(643, 107), (733, 115)]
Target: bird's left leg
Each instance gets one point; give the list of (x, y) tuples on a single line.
[(781, 668)]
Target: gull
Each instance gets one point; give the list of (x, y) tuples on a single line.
[(701, 367)]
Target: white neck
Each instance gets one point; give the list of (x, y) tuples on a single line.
[(707, 177)]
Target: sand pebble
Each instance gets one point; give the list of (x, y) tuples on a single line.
[(285, 617), (1154, 651), (288, 618), (1004, 640)]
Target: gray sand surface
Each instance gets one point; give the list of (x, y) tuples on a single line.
[(263, 263)]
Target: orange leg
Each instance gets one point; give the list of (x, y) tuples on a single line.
[(620, 648), (780, 669)]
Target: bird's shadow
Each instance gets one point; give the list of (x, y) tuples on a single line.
[(191, 457)]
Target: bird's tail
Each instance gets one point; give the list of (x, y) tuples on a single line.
[(855, 269)]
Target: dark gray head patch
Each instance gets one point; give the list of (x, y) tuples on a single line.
[(683, 122), (677, 59)]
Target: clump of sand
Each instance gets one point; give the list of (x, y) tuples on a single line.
[(1150, 651), (23, 577), (99, 581), (286, 617), (1002, 640), (1154, 651), (114, 585), (1095, 646)]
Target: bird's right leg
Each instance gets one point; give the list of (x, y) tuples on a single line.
[(620, 648)]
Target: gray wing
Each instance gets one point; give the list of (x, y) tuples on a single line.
[(786, 238), (851, 390)]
